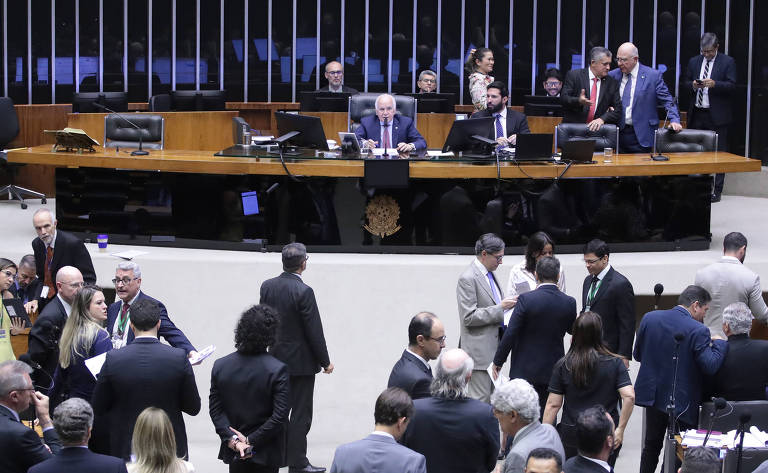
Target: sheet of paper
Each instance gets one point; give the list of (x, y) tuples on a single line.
[(507, 316), (203, 354), (522, 287), (94, 364), (498, 381), (434, 153), (129, 254)]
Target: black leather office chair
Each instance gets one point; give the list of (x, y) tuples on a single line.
[(118, 133), (688, 140), (9, 129), (361, 105), (160, 103), (607, 136)]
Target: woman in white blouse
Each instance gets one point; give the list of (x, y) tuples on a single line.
[(479, 66), (521, 278)]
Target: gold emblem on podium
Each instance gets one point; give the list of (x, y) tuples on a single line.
[(382, 213)]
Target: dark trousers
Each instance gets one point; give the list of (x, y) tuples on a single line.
[(701, 119), (655, 431), (239, 466), (543, 392), (628, 141), (301, 394)]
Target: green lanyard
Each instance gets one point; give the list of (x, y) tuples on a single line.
[(593, 291)]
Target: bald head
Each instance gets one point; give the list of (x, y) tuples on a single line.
[(452, 373), (69, 281), (627, 57)]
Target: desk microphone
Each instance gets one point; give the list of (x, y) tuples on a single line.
[(138, 152), (720, 404), (658, 156), (658, 289)]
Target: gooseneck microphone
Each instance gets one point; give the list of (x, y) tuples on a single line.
[(658, 156), (658, 289), (138, 152), (720, 404), (744, 419)]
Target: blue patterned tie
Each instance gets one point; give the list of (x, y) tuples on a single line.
[(495, 293), (626, 97), (499, 131)]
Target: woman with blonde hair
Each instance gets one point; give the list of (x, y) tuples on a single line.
[(154, 445), (8, 325)]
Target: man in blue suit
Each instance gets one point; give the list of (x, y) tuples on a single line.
[(128, 288), (536, 330), (659, 333), (641, 89), (388, 130), (713, 80), (379, 452), (426, 339)]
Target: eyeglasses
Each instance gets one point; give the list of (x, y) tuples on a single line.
[(440, 340), (75, 284), (10, 274), (125, 281), (429, 81), (498, 257), (335, 73), (592, 261), (622, 60), (552, 85), (708, 51)]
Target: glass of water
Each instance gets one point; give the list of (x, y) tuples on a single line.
[(607, 155)]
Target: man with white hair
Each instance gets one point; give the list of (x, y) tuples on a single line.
[(744, 374), (454, 433), (389, 130), (127, 283), (516, 406)]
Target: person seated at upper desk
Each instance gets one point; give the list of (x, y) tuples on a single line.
[(334, 72), (508, 123), (553, 82), (389, 130), (427, 82)]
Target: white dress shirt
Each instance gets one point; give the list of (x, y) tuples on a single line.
[(705, 91), (589, 88)]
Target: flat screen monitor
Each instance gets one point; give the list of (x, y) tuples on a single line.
[(82, 102), (311, 133), (434, 102), (460, 136), (184, 100), (212, 100), (239, 128), (192, 100), (542, 106), (117, 101), (323, 101)]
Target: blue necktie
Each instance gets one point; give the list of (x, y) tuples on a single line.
[(626, 97), (499, 131), (495, 293)]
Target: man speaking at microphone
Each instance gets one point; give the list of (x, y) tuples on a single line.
[(389, 130), (641, 89), (661, 335)]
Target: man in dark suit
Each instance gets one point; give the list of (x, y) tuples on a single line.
[(663, 333), (28, 286), (73, 420), (143, 374), (641, 89), (594, 437), (713, 81), (590, 95), (44, 336), (55, 249), (508, 122), (744, 374), (20, 446), (610, 294), (334, 73), (249, 395), (380, 451), (387, 129), (128, 289), (456, 434), (426, 339), (300, 345), (536, 329)]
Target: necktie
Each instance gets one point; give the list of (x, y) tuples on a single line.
[(385, 139), (700, 92), (593, 98), (626, 97), (494, 291), (592, 290), (121, 323), (499, 128), (48, 281)]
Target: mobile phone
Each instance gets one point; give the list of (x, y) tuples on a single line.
[(699, 81)]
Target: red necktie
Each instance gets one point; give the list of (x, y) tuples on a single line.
[(593, 98), (48, 281), (385, 139)]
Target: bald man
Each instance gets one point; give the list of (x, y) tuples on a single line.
[(334, 73), (641, 90), (387, 129)]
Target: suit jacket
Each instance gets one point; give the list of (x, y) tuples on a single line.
[(721, 95), (698, 356), (480, 318), (650, 90), (21, 446), (411, 375), (81, 460), (574, 112), (535, 334), (537, 435), (403, 131), (168, 329), (76, 380), (68, 250), (615, 302), (729, 281), (143, 374), (579, 464), (744, 374), (377, 454), (300, 340), (44, 341), (344, 89), (455, 435), (250, 393), (30, 293), (516, 122)]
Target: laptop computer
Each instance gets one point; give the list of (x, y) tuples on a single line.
[(533, 147), (578, 151)]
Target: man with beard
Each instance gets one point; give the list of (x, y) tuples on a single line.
[(508, 123)]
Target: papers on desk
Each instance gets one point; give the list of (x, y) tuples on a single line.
[(202, 354), (94, 364), (755, 438), (436, 153), (261, 139), (129, 255), (498, 382)]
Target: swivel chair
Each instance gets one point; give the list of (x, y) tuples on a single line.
[(9, 129), (688, 140), (361, 105), (607, 136)]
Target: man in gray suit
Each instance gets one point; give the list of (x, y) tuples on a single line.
[(729, 281), (380, 451), (481, 311), (516, 405)]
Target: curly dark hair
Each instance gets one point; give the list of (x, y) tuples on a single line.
[(256, 330)]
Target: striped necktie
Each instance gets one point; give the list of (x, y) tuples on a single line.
[(700, 92)]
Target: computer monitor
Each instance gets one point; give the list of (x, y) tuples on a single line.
[(313, 101), (82, 102), (184, 100), (117, 101), (194, 100), (239, 128), (311, 133), (434, 102), (460, 138), (542, 106)]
